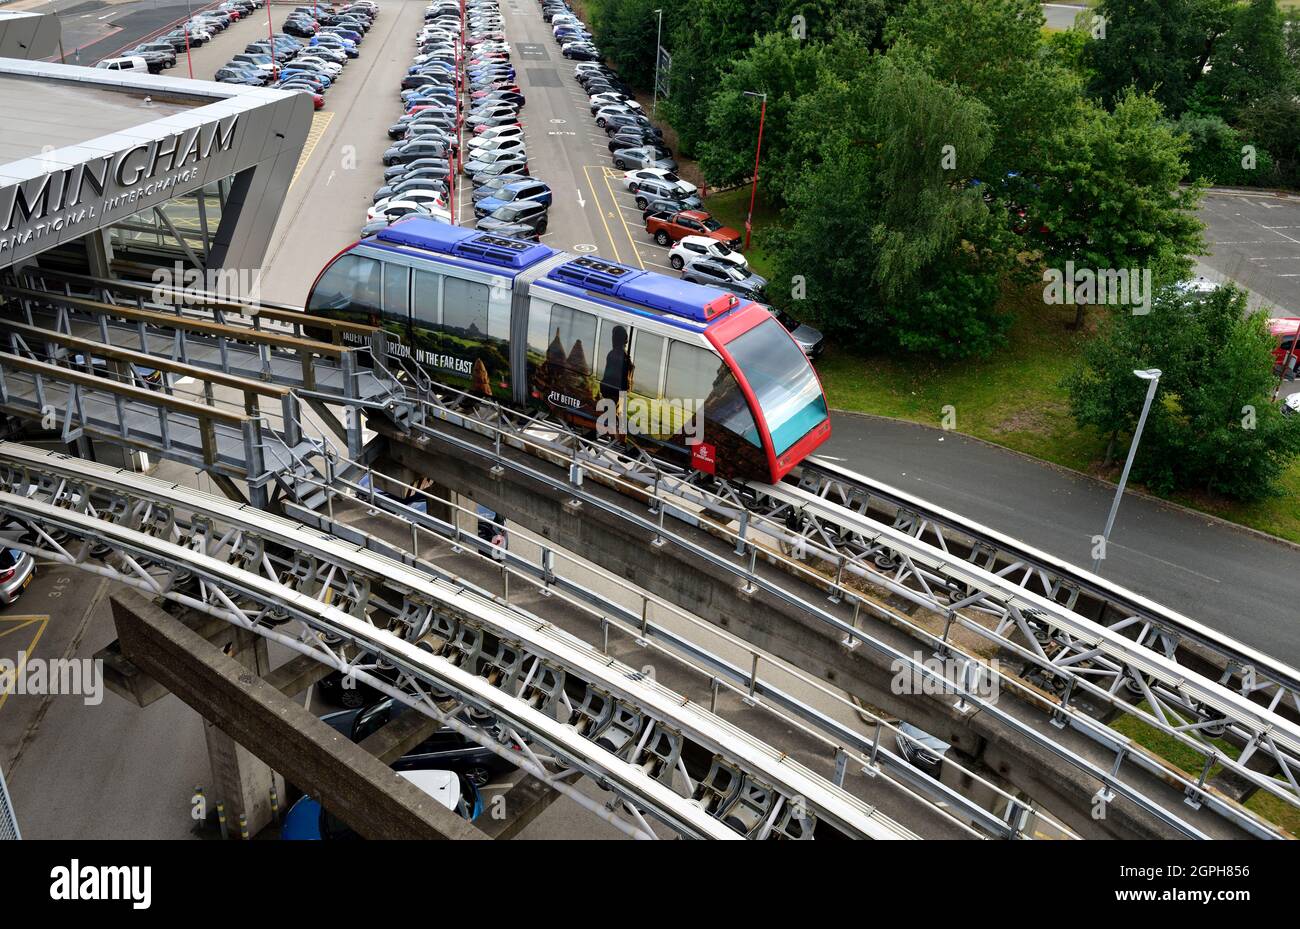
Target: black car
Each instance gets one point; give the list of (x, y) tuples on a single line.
[(662, 205), (393, 172), (445, 750), (616, 122), (530, 213), (154, 62), (249, 77)]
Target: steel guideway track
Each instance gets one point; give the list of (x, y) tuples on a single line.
[(629, 734), (756, 533)]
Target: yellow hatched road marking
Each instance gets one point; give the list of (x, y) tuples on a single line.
[(319, 123), (10, 624)]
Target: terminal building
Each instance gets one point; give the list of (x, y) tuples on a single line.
[(112, 174)]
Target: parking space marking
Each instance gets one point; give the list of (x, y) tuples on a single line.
[(626, 230), (13, 624), (595, 198)]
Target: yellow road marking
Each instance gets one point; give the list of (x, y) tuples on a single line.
[(610, 172), (22, 622), (595, 198), (319, 123)]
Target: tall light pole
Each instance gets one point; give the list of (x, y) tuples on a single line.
[(1152, 377), (758, 151), (659, 40)]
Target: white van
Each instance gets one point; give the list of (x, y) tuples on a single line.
[(129, 63)]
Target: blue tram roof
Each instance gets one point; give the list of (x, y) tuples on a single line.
[(433, 236), (646, 288)]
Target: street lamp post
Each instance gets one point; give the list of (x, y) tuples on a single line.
[(1152, 377), (758, 151), (659, 37)]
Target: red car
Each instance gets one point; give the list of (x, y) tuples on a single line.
[(1286, 355), (670, 227)]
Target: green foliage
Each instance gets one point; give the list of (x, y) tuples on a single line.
[(1273, 124), (1158, 46), (1213, 426), (1215, 153), (1109, 193), (784, 68), (879, 227), (994, 51), (1249, 62), (625, 31)]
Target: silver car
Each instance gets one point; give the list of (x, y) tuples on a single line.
[(626, 159), (16, 571)]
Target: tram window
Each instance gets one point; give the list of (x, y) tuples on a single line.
[(647, 363), (577, 334), (397, 298), (465, 307), (428, 300), (351, 283), (539, 327), (499, 299), (691, 372)]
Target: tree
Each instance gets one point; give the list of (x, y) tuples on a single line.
[(1273, 124), (881, 233), (994, 51), (626, 31), (1249, 62), (703, 37), (1213, 426), (1109, 194), (787, 70), (1157, 46)]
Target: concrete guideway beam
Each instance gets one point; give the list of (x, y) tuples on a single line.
[(351, 783)]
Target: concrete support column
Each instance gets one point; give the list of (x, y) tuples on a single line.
[(240, 780)]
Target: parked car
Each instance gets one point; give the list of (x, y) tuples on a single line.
[(514, 192), (697, 246), (654, 189), (492, 185), (530, 213), (134, 63), (714, 272), (17, 568), (667, 228), (643, 157), (407, 151)]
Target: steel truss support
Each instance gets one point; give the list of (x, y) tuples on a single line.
[(421, 641)]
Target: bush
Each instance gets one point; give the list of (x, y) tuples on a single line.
[(1216, 154)]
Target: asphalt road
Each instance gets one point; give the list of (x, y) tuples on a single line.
[(1254, 238), (1061, 15)]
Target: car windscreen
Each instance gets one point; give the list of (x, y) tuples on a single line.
[(783, 382), (712, 224)]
